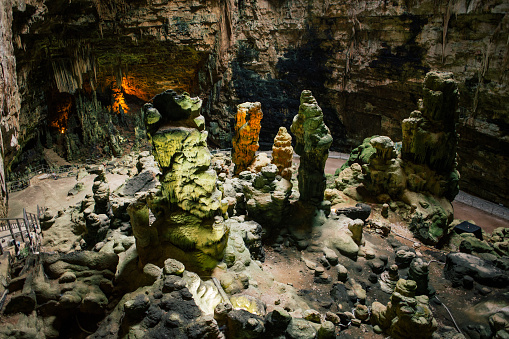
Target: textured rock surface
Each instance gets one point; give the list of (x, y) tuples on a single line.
[(364, 62), (313, 140), (64, 286), (430, 137), (188, 206), (405, 315), (484, 272), (247, 131), (282, 153)]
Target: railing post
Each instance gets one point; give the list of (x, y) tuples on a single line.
[(27, 226), (20, 230), (13, 237)]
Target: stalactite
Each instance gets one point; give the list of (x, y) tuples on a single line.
[(68, 71), (447, 17)]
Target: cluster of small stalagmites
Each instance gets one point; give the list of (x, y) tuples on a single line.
[(176, 304), (263, 196), (247, 131), (313, 140), (97, 211), (282, 153)]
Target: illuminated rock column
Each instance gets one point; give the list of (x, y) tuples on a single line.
[(282, 153), (247, 132)]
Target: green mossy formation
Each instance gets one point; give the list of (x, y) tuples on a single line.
[(406, 315), (313, 140), (189, 208), (360, 154), (424, 174), (430, 137)]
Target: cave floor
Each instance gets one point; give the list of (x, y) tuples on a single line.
[(288, 265)]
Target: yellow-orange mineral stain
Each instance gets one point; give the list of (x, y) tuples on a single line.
[(247, 132)]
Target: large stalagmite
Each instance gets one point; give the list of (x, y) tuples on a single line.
[(247, 131), (313, 141), (429, 135), (189, 209)]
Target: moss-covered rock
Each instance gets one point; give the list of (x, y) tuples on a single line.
[(313, 140)]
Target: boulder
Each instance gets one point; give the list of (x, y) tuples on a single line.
[(458, 265)]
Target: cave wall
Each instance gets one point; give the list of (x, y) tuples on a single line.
[(363, 60)]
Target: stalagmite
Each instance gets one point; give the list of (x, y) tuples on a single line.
[(189, 207), (282, 153), (247, 131), (313, 142)]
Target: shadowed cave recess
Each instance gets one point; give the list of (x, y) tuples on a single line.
[(250, 169)]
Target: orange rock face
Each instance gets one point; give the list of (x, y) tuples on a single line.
[(282, 153), (247, 131)]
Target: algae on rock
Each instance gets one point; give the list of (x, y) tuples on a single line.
[(189, 208), (313, 140)]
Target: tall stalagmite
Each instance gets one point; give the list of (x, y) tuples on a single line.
[(429, 136), (313, 141), (247, 132), (189, 225)]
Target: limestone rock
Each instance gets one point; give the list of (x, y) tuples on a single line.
[(356, 226), (282, 153), (277, 321), (247, 130), (188, 205), (242, 324), (419, 272), (101, 191), (260, 160), (405, 315), (458, 265), (313, 140)]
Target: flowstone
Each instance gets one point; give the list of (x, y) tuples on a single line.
[(313, 140), (247, 131), (188, 206)]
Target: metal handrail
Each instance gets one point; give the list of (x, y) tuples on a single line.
[(30, 235)]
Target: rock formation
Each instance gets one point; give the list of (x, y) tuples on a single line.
[(313, 140), (405, 315), (423, 176), (189, 208), (64, 286), (429, 137), (282, 153), (247, 131), (264, 196)]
